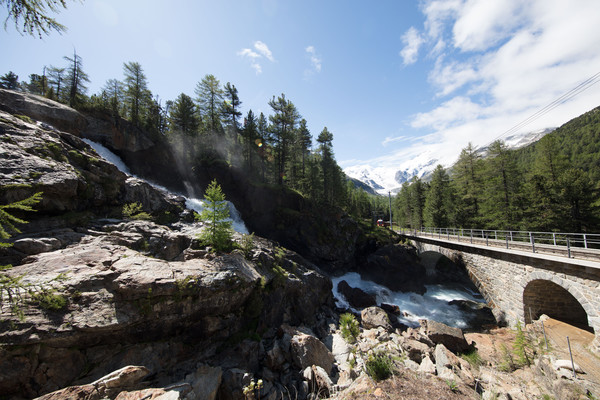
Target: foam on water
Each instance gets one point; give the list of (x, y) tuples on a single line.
[(432, 305), (191, 203)]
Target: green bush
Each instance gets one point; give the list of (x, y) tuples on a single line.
[(48, 300), (379, 366), (135, 211), (349, 327)]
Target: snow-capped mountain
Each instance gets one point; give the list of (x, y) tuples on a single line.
[(389, 178)]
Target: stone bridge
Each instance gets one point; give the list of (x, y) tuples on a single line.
[(521, 286)]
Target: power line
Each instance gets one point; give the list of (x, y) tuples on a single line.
[(561, 100)]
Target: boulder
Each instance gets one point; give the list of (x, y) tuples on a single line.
[(479, 314), (318, 381), (390, 308), (438, 333), (355, 296), (307, 351), (374, 317), (205, 382)]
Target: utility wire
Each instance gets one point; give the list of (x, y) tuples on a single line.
[(562, 99)]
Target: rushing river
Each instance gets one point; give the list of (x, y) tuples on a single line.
[(190, 202), (432, 305)]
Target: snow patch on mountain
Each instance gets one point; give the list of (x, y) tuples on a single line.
[(387, 177)]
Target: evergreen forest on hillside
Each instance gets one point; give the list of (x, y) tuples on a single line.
[(208, 127), (550, 185)]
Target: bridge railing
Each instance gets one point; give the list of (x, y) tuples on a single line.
[(569, 244)]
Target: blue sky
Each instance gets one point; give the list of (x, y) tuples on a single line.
[(396, 82)]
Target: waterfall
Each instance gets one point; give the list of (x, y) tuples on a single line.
[(190, 202)]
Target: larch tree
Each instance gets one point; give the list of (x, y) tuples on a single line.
[(56, 77), (218, 233), (231, 107), (33, 16), (284, 118), (137, 95), (325, 140), (210, 98), (75, 81)]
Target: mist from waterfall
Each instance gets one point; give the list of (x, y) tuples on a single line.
[(190, 202)]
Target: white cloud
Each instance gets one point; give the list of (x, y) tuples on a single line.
[(262, 51), (495, 65), (314, 59), (315, 62), (412, 42), (389, 140)]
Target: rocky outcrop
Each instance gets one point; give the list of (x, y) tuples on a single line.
[(73, 178), (356, 297), (396, 267), (128, 286)]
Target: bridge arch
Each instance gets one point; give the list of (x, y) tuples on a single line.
[(545, 293)]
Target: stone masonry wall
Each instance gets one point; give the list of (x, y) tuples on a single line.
[(502, 277)]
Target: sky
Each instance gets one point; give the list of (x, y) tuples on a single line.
[(397, 82)]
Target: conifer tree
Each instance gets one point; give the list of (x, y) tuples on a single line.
[(218, 233), (210, 98), (75, 81), (10, 80), (137, 95), (231, 107), (438, 201), (284, 118), (56, 77), (32, 17)]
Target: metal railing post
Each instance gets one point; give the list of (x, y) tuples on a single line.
[(471, 235), (532, 239), (506, 237), (585, 240), (568, 247), (486, 239), (554, 238)]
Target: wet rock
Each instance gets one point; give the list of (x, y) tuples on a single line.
[(355, 296), (390, 308)]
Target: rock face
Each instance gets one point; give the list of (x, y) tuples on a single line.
[(72, 177), (355, 296), (131, 283), (396, 267)]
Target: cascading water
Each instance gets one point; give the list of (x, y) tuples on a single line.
[(432, 305), (191, 203)]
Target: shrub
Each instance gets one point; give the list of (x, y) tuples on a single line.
[(379, 366), (48, 300), (135, 211), (349, 327), (247, 245)]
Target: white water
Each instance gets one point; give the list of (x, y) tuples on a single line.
[(191, 203), (433, 305)]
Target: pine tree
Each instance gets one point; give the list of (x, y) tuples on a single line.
[(283, 122), (137, 95), (75, 81), (438, 201), (210, 99), (325, 140), (9, 81), (115, 93), (467, 179), (218, 233), (231, 107), (250, 136), (56, 77)]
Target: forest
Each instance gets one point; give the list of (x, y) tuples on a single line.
[(208, 127), (550, 185)]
